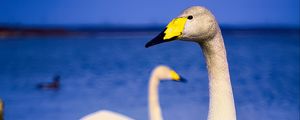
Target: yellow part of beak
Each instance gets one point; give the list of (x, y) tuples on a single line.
[(174, 75), (175, 28)]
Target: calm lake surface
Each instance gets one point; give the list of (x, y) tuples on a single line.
[(111, 72)]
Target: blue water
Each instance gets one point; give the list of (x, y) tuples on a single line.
[(111, 72)]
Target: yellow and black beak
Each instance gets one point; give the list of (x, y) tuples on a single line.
[(172, 32), (176, 77)]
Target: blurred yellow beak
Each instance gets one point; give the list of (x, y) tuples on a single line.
[(175, 76)]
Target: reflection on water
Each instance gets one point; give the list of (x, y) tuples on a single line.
[(112, 73)]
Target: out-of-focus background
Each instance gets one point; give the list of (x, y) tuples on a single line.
[(96, 47)]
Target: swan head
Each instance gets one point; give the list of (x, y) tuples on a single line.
[(165, 73), (193, 24)]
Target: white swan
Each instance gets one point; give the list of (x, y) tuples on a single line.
[(159, 73), (199, 25), (105, 115)]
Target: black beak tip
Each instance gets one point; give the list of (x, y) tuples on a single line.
[(182, 79), (153, 42), (148, 45), (157, 40)]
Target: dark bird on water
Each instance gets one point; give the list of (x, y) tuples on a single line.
[(55, 84)]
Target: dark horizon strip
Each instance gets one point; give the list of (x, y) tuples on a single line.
[(13, 31)]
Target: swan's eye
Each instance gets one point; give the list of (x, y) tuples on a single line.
[(190, 17)]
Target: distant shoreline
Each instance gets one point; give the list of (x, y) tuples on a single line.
[(28, 31)]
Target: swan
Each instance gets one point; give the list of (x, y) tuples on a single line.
[(105, 115), (158, 74), (198, 24)]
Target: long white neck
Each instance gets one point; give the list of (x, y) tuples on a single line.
[(221, 103), (154, 107)]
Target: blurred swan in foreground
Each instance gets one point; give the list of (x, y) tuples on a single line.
[(105, 115), (197, 24), (158, 74)]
